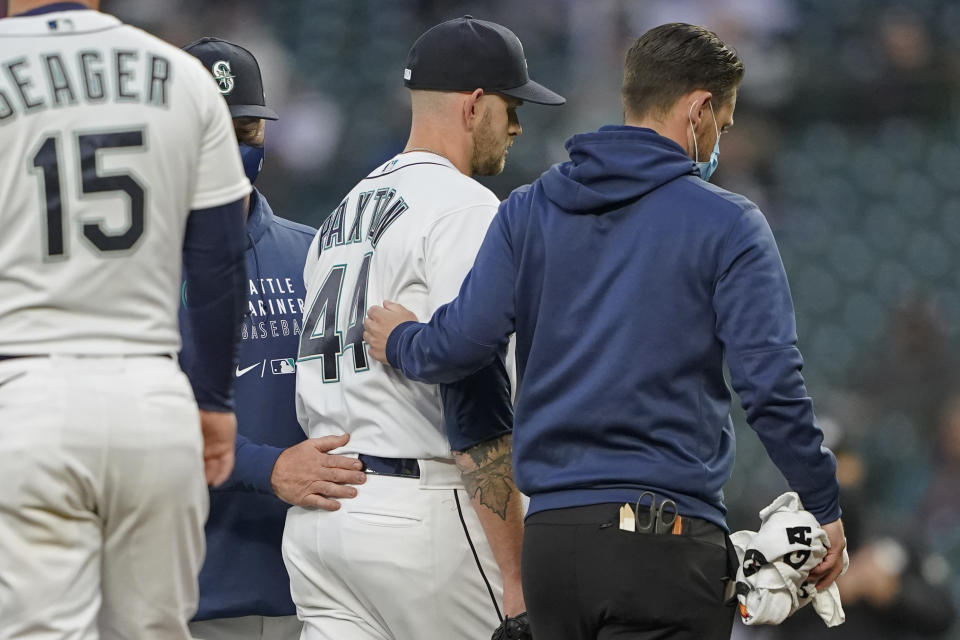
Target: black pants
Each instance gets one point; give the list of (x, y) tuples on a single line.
[(585, 579)]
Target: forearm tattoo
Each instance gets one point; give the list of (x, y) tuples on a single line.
[(487, 471)]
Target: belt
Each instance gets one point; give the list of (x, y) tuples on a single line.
[(398, 467), (608, 515)]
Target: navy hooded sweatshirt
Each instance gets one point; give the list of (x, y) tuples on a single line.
[(243, 573), (628, 281)]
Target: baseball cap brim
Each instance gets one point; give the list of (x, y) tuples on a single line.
[(534, 92), (253, 111)]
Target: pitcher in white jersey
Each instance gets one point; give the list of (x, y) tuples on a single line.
[(119, 165), (408, 558)]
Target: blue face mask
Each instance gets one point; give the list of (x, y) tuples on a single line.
[(252, 160), (706, 167)]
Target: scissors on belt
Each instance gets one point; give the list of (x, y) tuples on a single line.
[(660, 518)]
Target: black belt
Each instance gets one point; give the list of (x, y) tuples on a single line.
[(399, 467), (608, 515)]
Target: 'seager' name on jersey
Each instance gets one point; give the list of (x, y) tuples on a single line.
[(53, 78)]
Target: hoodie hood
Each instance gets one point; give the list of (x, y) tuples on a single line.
[(613, 167)]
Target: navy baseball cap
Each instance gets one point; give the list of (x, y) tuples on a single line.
[(237, 74), (466, 54)]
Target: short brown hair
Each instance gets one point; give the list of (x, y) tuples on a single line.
[(674, 59)]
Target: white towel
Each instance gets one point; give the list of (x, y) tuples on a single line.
[(776, 561)]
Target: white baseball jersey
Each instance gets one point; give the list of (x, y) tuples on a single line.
[(408, 232), (110, 137)]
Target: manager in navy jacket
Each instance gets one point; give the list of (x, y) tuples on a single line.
[(244, 587), (629, 279)]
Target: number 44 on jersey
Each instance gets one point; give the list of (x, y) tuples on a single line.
[(322, 338)]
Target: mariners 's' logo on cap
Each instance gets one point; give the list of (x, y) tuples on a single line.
[(223, 75)]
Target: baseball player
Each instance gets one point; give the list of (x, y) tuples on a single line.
[(244, 588), (119, 166), (407, 558)]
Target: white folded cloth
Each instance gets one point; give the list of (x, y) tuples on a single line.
[(775, 562)]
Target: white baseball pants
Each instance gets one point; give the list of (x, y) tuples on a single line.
[(405, 560), (102, 499)]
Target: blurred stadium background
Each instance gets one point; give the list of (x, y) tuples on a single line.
[(848, 137)]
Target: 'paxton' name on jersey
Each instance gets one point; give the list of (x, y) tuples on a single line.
[(270, 297), (55, 80), (385, 210)]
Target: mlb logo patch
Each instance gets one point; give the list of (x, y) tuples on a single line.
[(64, 24), (283, 365)]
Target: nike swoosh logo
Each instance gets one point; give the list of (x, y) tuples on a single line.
[(240, 371)]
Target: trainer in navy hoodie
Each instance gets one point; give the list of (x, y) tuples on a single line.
[(628, 280), (243, 573)]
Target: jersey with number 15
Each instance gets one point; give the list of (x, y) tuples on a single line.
[(408, 232), (109, 138)]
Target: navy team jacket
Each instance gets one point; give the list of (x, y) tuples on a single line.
[(243, 573), (629, 281)]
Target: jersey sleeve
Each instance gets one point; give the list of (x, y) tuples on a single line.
[(220, 178), (760, 338), (479, 407), (214, 295)]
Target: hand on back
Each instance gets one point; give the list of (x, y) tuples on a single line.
[(380, 323), (307, 476)]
